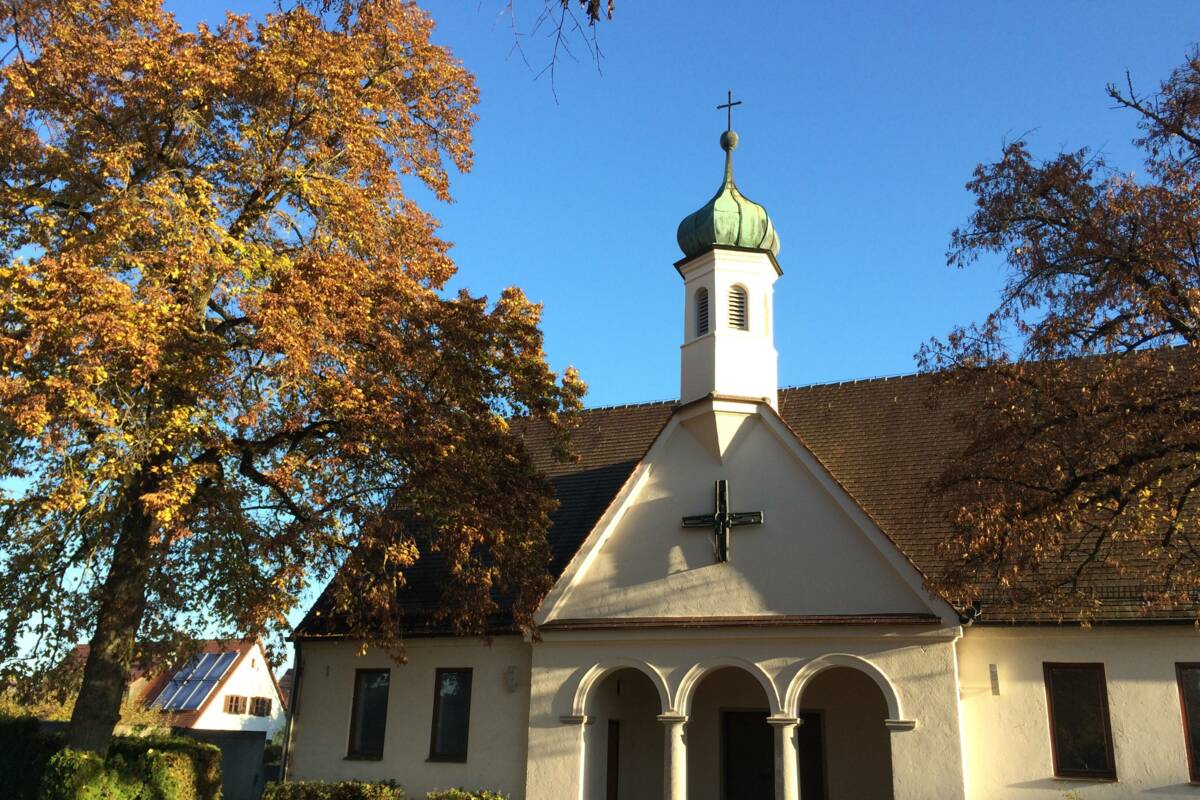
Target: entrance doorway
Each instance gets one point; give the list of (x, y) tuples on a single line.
[(747, 756), (748, 760), (730, 746), (810, 741)]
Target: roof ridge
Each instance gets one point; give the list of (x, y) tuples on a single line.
[(851, 381), (629, 405), (797, 387)]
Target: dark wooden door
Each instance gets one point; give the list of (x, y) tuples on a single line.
[(810, 740), (613, 767), (747, 756)]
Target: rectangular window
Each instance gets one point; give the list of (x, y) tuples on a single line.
[(451, 715), (368, 713), (260, 706), (235, 704), (1080, 734), (1188, 676)]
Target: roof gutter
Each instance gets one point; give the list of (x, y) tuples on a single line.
[(968, 615)]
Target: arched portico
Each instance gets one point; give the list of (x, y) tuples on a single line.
[(637, 722)]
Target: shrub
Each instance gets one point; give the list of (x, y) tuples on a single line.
[(34, 766), (173, 768), (78, 775), (340, 790), (460, 794)]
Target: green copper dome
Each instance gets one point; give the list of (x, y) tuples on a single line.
[(729, 219)]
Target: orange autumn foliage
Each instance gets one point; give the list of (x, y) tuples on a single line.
[(1080, 487), (228, 365)]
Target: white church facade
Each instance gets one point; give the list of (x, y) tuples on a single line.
[(740, 612)]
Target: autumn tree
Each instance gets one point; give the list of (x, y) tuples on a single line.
[(228, 364), (1083, 469)]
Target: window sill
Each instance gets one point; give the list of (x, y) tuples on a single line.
[(1083, 779), (357, 757), (448, 759)]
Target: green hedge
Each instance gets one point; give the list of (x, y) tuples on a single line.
[(340, 790), (151, 768), (35, 766), (358, 790)]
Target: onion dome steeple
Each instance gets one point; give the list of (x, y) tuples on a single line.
[(729, 218)]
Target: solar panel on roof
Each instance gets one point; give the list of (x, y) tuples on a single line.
[(191, 685)]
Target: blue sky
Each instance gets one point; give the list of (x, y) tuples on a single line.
[(860, 125)]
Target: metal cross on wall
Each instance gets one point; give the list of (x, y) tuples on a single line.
[(722, 521)]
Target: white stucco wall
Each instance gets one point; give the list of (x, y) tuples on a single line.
[(1007, 736), (250, 678), (499, 717), (809, 556)]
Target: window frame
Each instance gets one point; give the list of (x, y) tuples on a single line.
[(437, 707), (256, 701), (1193, 766), (1109, 775), (351, 752), (239, 707)]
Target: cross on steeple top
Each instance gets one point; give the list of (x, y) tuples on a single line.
[(728, 106)]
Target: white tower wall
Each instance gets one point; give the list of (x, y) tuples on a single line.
[(728, 361)]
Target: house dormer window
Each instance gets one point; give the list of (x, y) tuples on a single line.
[(737, 308), (701, 311)]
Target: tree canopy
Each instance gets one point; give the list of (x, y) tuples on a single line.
[(228, 362), (1083, 472)]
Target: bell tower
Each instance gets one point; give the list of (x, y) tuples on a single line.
[(729, 271)]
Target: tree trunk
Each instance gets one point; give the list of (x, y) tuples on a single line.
[(121, 608)]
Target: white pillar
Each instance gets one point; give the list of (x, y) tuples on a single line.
[(587, 746), (787, 758), (674, 758)]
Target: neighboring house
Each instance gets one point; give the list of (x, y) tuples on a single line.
[(740, 612), (227, 685), (285, 686)]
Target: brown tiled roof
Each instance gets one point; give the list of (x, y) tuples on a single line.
[(882, 439)]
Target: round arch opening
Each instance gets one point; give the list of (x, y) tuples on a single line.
[(844, 744), (730, 746), (623, 739)]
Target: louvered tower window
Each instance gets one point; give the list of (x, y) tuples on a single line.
[(737, 308), (701, 311)]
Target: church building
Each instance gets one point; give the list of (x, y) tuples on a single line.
[(740, 610)]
